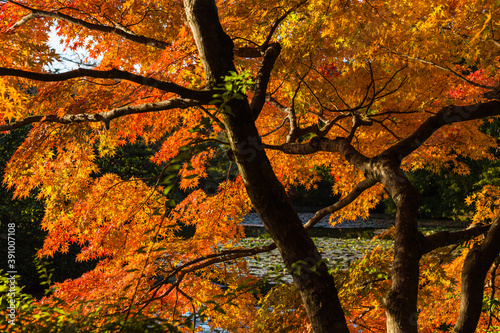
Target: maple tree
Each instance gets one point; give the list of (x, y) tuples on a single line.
[(363, 89)]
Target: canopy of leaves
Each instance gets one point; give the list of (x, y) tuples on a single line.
[(367, 72)]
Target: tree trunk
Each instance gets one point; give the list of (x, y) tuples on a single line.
[(267, 194), (476, 265), (401, 302)]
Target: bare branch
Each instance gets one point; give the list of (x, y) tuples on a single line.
[(297, 132), (277, 128), (277, 104), (248, 52), (334, 88), (446, 115), (202, 262), (202, 96), (377, 94), (124, 33), (381, 123), (495, 42), (370, 87), (105, 116), (322, 107), (223, 256), (258, 51), (356, 192)]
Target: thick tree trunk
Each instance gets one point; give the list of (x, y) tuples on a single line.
[(401, 302), (476, 265), (268, 196)]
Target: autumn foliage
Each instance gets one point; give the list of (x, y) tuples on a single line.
[(365, 90)]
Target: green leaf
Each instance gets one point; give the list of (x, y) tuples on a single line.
[(170, 203), (168, 179), (142, 249), (220, 310), (173, 167), (168, 189)]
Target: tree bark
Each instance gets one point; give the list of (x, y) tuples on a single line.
[(401, 302), (476, 265), (267, 194)]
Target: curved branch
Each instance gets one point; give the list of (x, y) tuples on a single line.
[(179, 272), (317, 144), (119, 30), (202, 96), (277, 128), (105, 116), (126, 34), (211, 259), (355, 193), (447, 115), (297, 132), (356, 123), (381, 123)]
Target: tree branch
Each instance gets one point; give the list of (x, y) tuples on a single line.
[(202, 96), (258, 51), (223, 256), (317, 144), (278, 22), (263, 76), (126, 34), (445, 116), (245, 52), (445, 238), (444, 68), (356, 192), (277, 127), (105, 116), (202, 262)]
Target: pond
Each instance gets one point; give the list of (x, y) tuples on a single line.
[(338, 252), (341, 245)]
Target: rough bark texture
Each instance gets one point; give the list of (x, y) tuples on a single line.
[(401, 303), (477, 263), (268, 196)]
